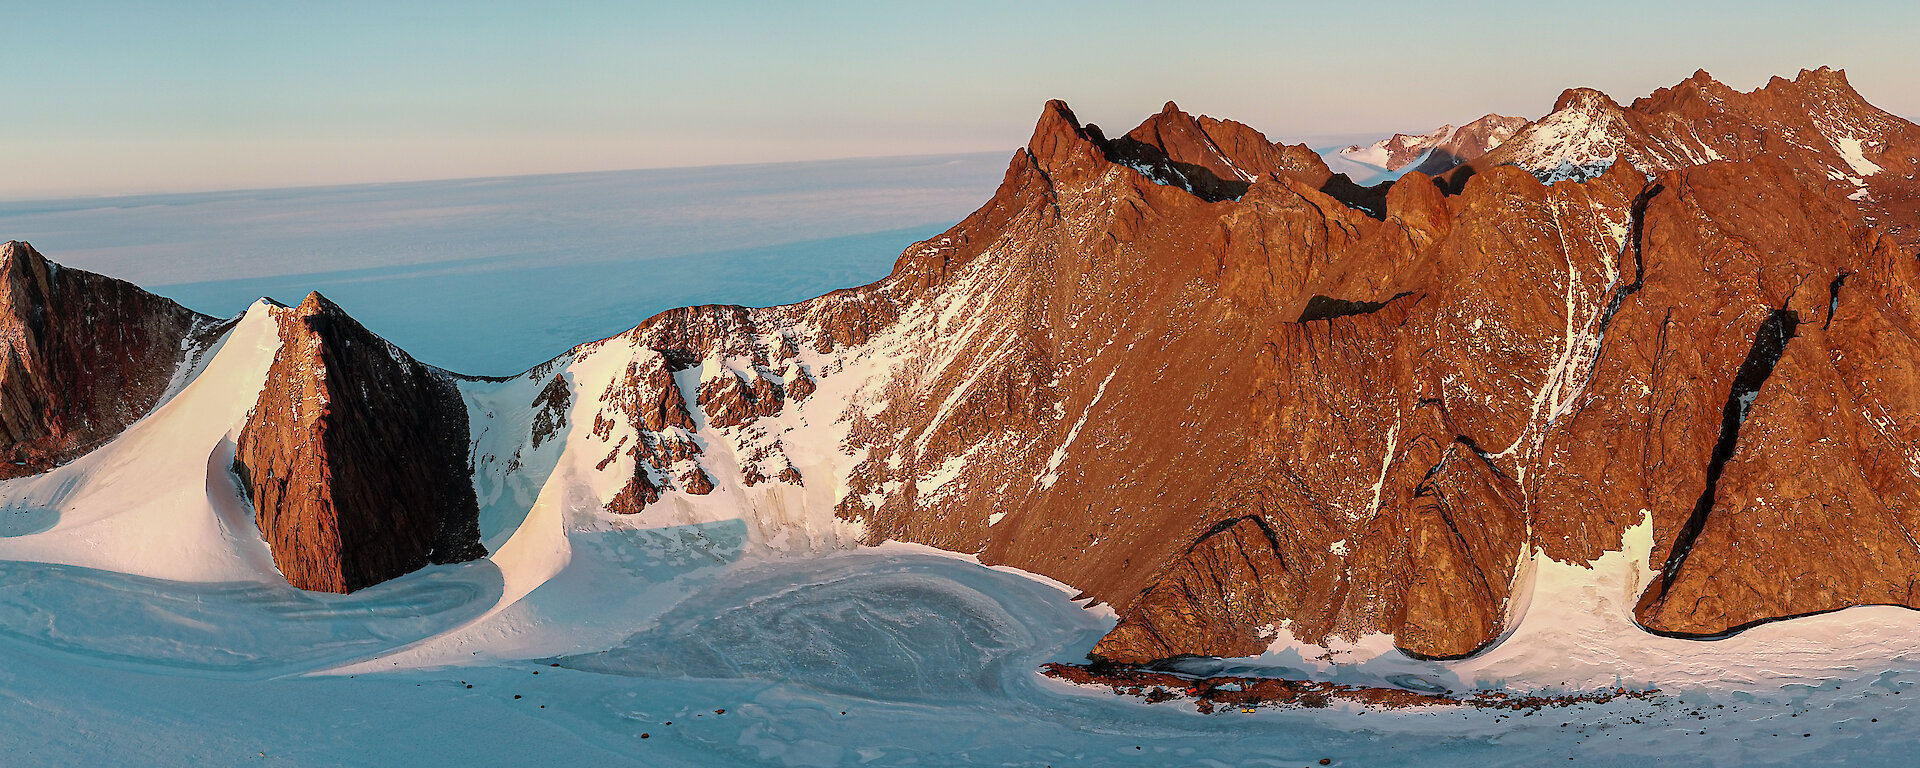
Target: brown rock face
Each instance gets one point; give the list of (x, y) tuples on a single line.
[(729, 400), (1816, 125), (1184, 371), (1215, 159), (1181, 376), (86, 356), (355, 457), (635, 495), (1224, 597), (1780, 471)]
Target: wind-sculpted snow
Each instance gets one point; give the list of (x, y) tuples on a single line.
[(228, 629), (778, 710), (917, 629)]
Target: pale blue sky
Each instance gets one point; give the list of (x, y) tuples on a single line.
[(106, 98)]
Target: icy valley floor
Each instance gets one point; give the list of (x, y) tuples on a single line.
[(894, 656)]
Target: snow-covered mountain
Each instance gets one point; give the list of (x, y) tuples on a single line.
[(1431, 153), (1397, 151), (1448, 428), (1823, 130)]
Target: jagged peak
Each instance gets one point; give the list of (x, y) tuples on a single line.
[(1700, 87), (1823, 74), (1170, 118), (315, 303), (1828, 80), (1586, 99), (1492, 117), (19, 254), (1057, 135)]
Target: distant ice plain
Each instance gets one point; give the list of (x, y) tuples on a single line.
[(494, 276)]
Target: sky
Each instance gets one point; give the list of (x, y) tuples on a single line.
[(119, 98)]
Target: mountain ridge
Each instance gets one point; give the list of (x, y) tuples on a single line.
[(1338, 411)]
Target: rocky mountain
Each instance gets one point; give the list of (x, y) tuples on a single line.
[(1201, 378), (1215, 159), (1825, 132), (86, 355), (1431, 153), (355, 456), (1397, 151), (1468, 142)]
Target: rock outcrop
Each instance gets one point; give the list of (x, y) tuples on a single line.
[(1175, 370), (355, 457), (1832, 140), (1200, 377), (86, 356)]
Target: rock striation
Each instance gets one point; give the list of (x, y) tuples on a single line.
[(355, 456)]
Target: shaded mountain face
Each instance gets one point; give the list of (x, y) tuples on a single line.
[(86, 355), (355, 457), (1192, 374), (1214, 159)]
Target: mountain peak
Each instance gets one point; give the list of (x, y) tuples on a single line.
[(1824, 73), (317, 304), (1433, 152), (353, 456), (1058, 136), (1586, 99)]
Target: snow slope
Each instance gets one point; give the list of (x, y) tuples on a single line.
[(1364, 173), (158, 501)]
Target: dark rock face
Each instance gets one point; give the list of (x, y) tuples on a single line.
[(1687, 346), (355, 457), (85, 356)]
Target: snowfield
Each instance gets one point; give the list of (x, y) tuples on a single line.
[(142, 621)]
